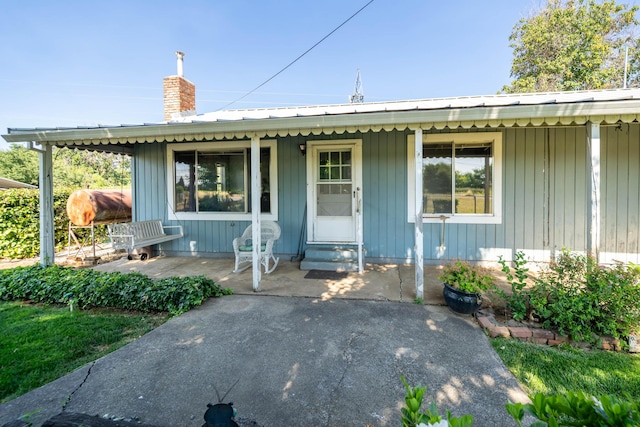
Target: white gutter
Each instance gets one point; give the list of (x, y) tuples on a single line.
[(604, 112)]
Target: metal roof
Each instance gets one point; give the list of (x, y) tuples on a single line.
[(504, 100), (6, 184), (535, 109)]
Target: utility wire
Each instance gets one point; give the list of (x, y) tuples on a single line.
[(297, 59)]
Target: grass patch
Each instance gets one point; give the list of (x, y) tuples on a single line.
[(547, 370), (39, 344)]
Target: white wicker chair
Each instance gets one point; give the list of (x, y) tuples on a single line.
[(243, 248)]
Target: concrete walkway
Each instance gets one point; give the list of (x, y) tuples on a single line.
[(305, 352), (380, 282)]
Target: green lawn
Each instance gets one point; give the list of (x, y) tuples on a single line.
[(548, 370), (39, 344)]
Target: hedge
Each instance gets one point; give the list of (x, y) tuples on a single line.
[(20, 222), (86, 288)]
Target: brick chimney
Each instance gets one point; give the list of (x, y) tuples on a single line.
[(179, 94)]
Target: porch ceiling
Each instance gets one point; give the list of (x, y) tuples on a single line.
[(548, 109)]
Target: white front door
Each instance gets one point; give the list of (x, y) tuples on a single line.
[(334, 177)]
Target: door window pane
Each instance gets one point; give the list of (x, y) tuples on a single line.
[(334, 200), (346, 157), (334, 188), (346, 172), (335, 173), (335, 157), (334, 165)]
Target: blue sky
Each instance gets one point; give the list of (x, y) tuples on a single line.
[(84, 63)]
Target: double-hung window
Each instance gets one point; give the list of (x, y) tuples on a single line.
[(213, 181), (461, 177)]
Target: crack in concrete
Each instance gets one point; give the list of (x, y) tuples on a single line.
[(345, 356), (345, 353), (401, 282), (66, 403)]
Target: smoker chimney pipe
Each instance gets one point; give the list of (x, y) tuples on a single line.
[(180, 55)]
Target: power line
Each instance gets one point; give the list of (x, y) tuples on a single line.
[(298, 58)]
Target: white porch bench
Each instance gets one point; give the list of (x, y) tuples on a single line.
[(140, 234)]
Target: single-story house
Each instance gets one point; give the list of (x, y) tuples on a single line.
[(6, 184), (416, 181)]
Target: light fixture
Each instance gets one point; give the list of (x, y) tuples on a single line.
[(303, 148)]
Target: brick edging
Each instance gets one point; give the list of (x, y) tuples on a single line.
[(538, 335)]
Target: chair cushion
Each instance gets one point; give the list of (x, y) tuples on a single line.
[(249, 248)]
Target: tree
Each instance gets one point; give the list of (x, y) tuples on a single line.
[(474, 179), (19, 164), (437, 178), (71, 168), (575, 45), (81, 168)]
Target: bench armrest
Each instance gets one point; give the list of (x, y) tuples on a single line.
[(167, 227)]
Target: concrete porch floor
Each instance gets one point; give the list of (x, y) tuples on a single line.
[(386, 282)]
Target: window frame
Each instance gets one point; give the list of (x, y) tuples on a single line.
[(212, 147), (495, 138)]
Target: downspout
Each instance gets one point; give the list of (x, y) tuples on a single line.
[(593, 190)]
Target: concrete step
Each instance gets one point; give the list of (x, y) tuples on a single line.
[(308, 264), (331, 254), (330, 259)]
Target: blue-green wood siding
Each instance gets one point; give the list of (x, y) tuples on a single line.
[(292, 194), (543, 203), (387, 235), (620, 198)]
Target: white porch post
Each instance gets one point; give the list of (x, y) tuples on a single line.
[(47, 239), (419, 243), (255, 211), (593, 187)]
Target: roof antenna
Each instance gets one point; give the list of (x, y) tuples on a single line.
[(358, 96)]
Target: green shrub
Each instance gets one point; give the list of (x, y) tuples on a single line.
[(466, 277), (89, 288), (577, 409), (581, 299), (554, 410), (518, 300), (20, 222), (412, 416)]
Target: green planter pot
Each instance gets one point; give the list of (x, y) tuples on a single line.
[(461, 302)]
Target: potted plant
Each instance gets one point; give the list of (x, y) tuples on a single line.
[(463, 286)]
